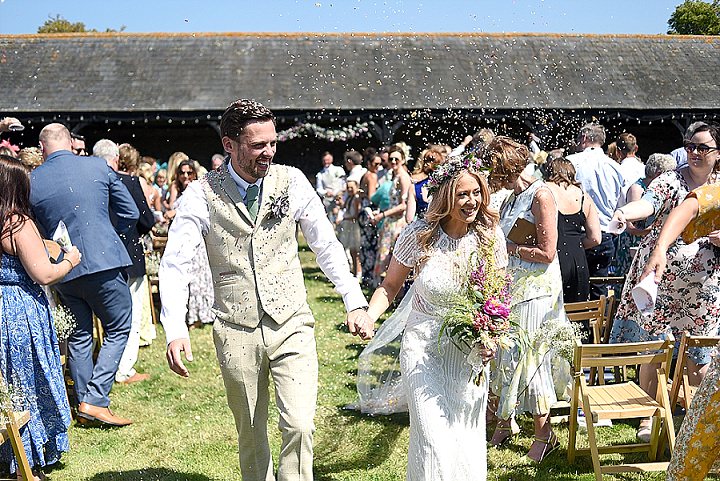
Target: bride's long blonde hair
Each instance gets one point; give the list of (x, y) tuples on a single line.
[(443, 202)]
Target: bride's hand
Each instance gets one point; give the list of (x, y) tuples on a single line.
[(487, 354), (360, 324)]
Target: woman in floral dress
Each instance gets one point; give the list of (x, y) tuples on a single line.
[(698, 442), (688, 296), (368, 231), (393, 218), (29, 353)]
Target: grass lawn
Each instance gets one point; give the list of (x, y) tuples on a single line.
[(184, 431)]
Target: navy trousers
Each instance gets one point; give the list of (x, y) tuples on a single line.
[(599, 259), (107, 295)]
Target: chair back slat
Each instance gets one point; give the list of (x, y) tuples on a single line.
[(702, 341), (632, 353), (619, 361)]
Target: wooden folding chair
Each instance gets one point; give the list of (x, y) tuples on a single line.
[(591, 314), (153, 284), (10, 431), (681, 378), (625, 400), (611, 305)]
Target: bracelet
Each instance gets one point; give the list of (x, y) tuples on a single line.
[(620, 210), (70, 262), (383, 214)]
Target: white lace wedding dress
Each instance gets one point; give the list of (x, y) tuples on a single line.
[(447, 410)]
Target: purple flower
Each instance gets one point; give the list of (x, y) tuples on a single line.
[(493, 307)]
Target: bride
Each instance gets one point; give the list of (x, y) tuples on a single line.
[(447, 411)]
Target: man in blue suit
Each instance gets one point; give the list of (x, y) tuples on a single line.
[(80, 191)]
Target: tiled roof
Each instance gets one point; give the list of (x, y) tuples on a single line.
[(190, 72)]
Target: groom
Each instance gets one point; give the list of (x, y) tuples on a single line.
[(247, 213)]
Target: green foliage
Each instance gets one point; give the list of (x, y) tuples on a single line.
[(696, 17), (58, 24)]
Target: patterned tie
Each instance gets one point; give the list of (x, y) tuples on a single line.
[(251, 200)]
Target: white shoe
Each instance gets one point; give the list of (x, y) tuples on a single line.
[(643, 432)]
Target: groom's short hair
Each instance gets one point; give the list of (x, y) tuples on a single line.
[(240, 113)]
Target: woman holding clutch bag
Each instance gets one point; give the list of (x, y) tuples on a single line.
[(29, 353), (523, 379), (688, 296)]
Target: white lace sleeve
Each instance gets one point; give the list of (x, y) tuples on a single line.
[(407, 249), (501, 254)]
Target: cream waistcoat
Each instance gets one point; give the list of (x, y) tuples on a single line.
[(255, 267)]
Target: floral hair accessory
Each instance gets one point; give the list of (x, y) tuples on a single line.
[(13, 147), (450, 169)]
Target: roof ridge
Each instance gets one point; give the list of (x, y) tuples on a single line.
[(354, 34)]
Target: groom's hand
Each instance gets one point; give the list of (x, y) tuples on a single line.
[(174, 358), (360, 324)]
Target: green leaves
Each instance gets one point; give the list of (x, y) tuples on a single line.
[(695, 17)]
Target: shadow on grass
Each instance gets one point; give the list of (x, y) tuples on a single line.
[(338, 452), (149, 474)]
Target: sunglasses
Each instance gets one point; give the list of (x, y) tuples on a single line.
[(186, 172), (701, 148)]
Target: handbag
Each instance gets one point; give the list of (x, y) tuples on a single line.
[(54, 251), (523, 233)]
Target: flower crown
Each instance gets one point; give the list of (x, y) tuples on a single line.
[(452, 168)]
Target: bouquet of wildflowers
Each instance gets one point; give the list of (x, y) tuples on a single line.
[(478, 317)]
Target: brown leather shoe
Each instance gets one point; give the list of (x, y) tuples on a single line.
[(137, 377), (88, 414)]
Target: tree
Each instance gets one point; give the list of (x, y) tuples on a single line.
[(695, 17), (58, 24)]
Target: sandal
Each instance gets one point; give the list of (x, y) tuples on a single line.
[(503, 433), (549, 445)]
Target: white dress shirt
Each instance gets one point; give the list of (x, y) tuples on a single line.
[(632, 170), (330, 178), (356, 173), (192, 222), (601, 178)]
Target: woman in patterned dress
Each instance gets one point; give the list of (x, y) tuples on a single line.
[(393, 218), (698, 442), (688, 296), (29, 352)]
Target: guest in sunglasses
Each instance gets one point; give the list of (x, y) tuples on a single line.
[(688, 297)]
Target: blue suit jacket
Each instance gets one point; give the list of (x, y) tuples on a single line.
[(80, 191)]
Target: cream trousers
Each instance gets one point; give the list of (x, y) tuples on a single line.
[(248, 356)]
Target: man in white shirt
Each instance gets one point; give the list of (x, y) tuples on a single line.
[(329, 183), (247, 212), (631, 168), (601, 178), (353, 164)]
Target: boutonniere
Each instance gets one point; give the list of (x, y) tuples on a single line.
[(279, 206)]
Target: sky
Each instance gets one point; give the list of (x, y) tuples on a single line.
[(555, 16)]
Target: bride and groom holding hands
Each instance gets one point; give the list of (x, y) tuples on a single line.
[(247, 212)]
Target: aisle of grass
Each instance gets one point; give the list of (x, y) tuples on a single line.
[(184, 431)]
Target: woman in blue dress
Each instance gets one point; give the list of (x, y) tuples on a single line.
[(29, 354)]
